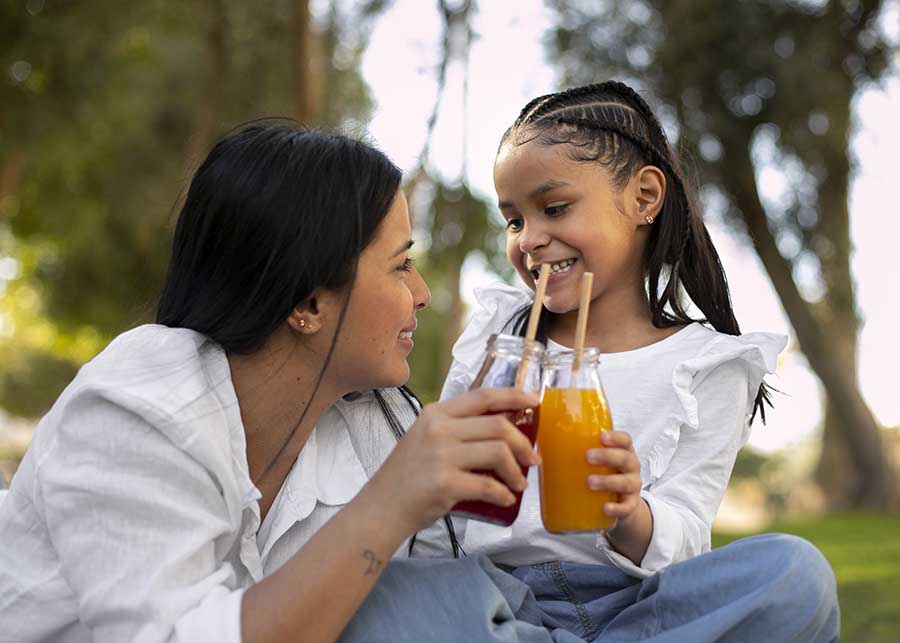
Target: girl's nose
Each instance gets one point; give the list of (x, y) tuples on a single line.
[(532, 238)]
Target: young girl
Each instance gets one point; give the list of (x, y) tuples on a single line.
[(587, 182)]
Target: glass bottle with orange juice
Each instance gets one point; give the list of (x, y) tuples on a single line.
[(573, 414), (501, 366)]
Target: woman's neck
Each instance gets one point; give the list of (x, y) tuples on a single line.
[(274, 388)]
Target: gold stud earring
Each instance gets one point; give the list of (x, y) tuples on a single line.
[(302, 323), (648, 219)]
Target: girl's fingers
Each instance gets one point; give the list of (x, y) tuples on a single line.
[(493, 455), (619, 483), (615, 458), (488, 400), (618, 439), (621, 509)]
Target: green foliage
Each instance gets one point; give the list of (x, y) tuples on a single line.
[(864, 551), (101, 105), (453, 224)]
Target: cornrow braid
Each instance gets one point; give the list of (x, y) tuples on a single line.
[(656, 157), (615, 122)]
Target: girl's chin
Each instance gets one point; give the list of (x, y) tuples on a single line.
[(560, 306)]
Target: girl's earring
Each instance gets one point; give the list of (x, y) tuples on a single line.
[(648, 219), (302, 323)]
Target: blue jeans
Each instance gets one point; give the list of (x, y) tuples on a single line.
[(764, 588)]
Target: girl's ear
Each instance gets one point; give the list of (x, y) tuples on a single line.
[(650, 192), (310, 315)]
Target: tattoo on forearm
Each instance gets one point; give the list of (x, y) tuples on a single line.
[(374, 563)]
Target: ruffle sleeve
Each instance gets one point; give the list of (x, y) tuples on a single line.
[(755, 353), (497, 304)]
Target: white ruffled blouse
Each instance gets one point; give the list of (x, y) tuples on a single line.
[(133, 517), (686, 401)]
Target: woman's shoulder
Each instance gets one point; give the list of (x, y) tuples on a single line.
[(154, 378)]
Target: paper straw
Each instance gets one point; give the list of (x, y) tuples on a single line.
[(587, 282), (533, 324)]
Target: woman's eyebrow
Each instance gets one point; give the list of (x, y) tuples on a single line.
[(406, 246), (544, 187)]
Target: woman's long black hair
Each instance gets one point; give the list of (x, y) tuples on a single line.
[(275, 211), (610, 124)]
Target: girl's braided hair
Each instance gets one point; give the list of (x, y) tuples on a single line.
[(611, 124)]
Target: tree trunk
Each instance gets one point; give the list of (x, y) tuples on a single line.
[(861, 443), (209, 109), (11, 171), (306, 78)]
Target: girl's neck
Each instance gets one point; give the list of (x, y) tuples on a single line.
[(619, 320)]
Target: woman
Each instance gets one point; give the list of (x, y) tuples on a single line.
[(192, 483)]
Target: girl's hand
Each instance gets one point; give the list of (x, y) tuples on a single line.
[(618, 454), (430, 470)]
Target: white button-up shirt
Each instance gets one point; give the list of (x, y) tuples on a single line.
[(132, 516)]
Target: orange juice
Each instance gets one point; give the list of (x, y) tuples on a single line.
[(570, 422)]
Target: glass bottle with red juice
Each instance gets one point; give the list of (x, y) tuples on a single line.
[(501, 365)]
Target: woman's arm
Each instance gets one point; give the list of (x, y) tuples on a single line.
[(315, 594)]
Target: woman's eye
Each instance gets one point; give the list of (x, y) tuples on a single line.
[(407, 265), (514, 225), (556, 209)]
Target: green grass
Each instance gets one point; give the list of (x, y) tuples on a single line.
[(864, 551)]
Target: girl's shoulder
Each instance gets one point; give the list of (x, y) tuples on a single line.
[(498, 303)]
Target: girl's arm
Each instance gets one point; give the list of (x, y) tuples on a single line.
[(684, 500)]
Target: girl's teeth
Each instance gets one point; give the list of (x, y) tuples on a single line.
[(406, 334), (562, 266)]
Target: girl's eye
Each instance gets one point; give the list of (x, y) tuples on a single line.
[(556, 209), (407, 265), (514, 225)]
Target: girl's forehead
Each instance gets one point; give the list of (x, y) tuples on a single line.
[(534, 159)]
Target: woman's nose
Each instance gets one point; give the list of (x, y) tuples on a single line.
[(420, 291)]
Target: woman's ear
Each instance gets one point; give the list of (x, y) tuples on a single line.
[(310, 315), (649, 193)]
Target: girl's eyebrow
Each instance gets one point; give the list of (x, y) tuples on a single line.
[(544, 187)]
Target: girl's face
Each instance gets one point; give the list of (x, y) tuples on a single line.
[(376, 336), (568, 214)]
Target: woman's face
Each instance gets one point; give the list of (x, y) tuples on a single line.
[(376, 336)]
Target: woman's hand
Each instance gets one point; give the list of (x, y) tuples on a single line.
[(618, 453), (432, 467)]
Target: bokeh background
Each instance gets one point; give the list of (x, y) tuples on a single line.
[(787, 113)]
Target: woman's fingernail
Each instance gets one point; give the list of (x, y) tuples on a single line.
[(594, 481)]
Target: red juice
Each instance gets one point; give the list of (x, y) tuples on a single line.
[(527, 422)]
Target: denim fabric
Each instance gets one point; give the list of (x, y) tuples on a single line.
[(764, 588)]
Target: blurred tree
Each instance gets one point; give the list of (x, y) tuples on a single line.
[(455, 222), (106, 109), (757, 84)]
